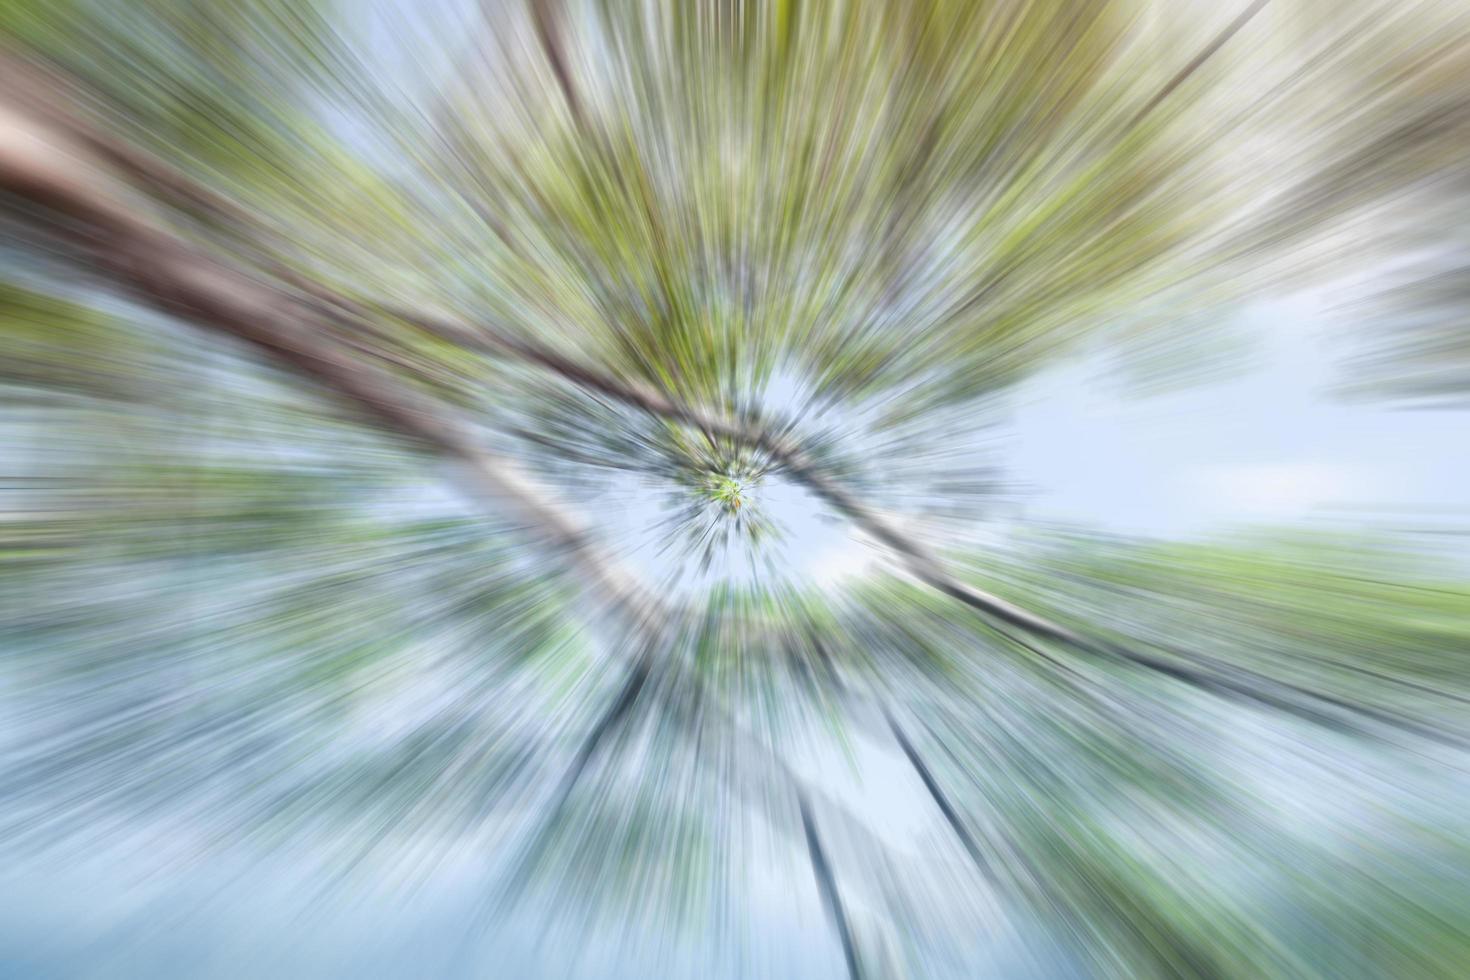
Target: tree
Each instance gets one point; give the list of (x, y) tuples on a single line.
[(601, 252)]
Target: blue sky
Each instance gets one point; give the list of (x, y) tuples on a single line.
[(1269, 442)]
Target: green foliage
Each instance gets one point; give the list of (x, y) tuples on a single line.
[(233, 609)]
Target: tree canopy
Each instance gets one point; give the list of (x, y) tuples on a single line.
[(395, 399)]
